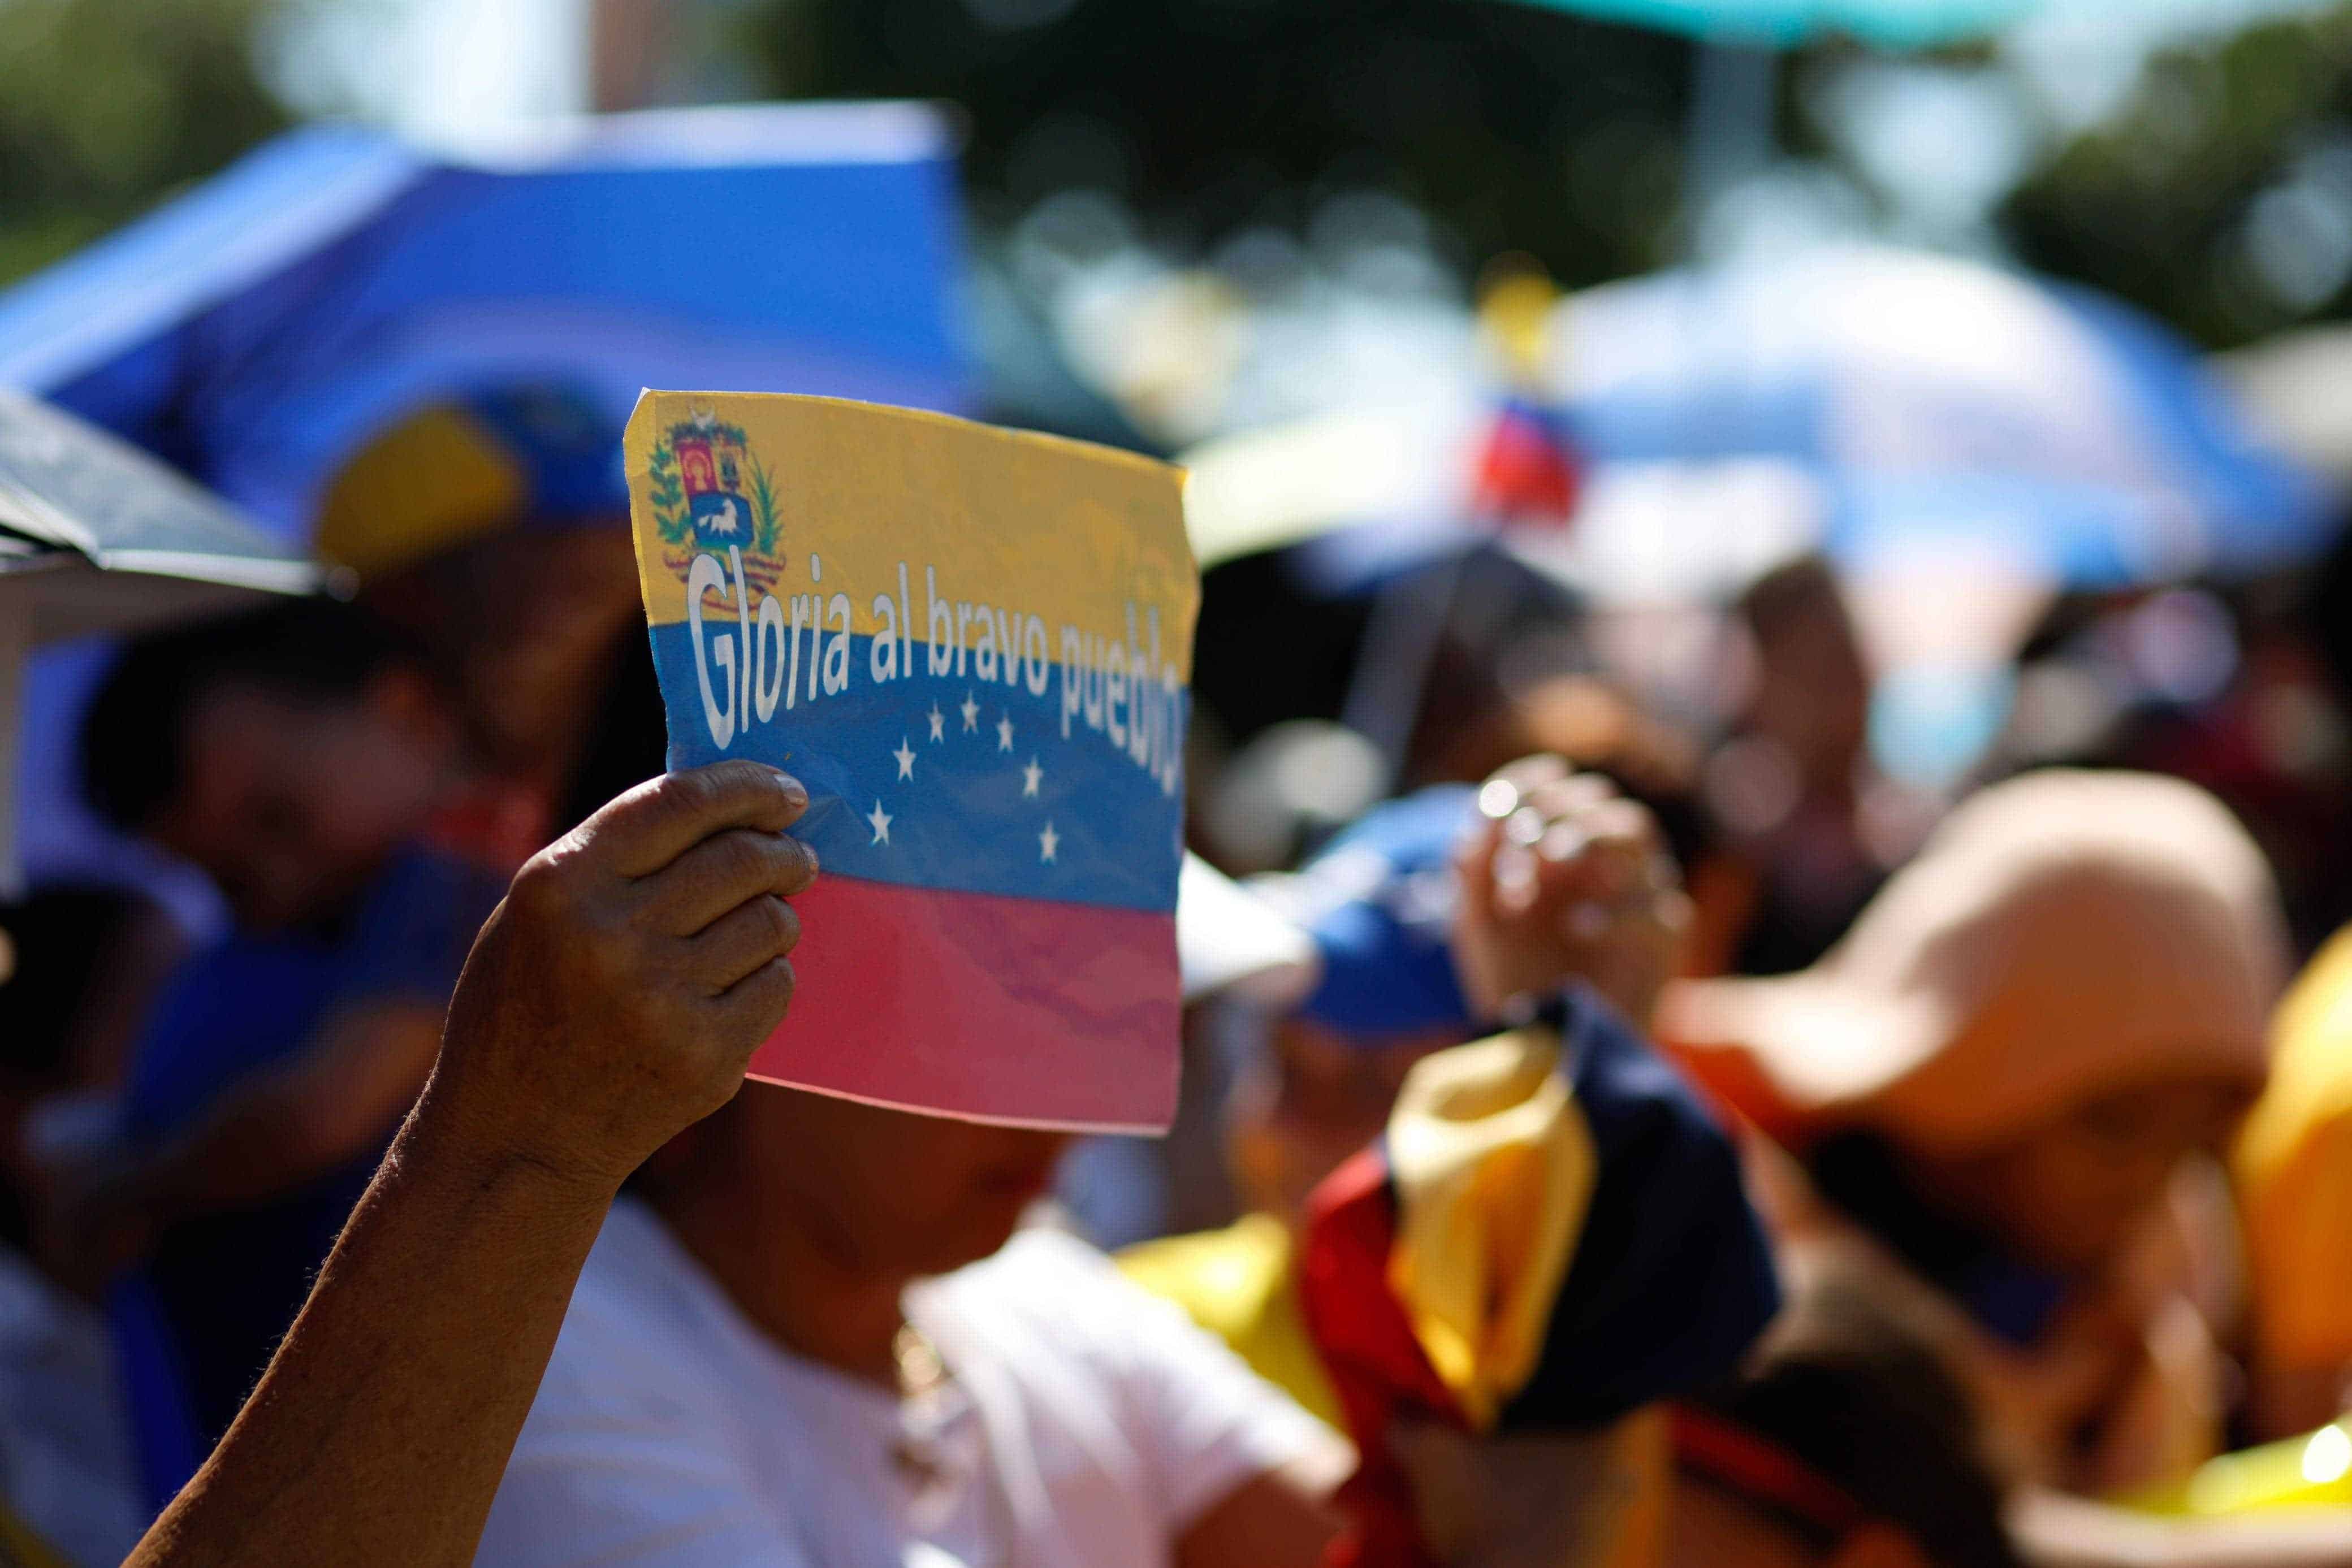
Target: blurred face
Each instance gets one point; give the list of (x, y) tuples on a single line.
[(2069, 1194), (1313, 1100), (291, 804), (880, 1191)]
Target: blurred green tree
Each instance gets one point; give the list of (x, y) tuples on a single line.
[(107, 104), (2219, 195), (1518, 129)]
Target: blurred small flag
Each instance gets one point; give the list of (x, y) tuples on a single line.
[(1527, 470)]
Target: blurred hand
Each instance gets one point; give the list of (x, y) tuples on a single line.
[(1565, 878), (614, 997)]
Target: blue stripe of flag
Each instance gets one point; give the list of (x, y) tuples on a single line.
[(958, 816)]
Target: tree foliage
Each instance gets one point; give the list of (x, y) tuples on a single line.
[(1518, 128), (2220, 194), (107, 104)]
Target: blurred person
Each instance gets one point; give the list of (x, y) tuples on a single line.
[(1548, 1233), (2010, 1080), (298, 755), (1839, 1441), (1402, 913), (813, 1336), (613, 998), (810, 1334), (1793, 793)]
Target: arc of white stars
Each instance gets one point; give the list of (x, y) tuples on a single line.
[(1030, 776), (971, 711), (905, 756), (1004, 733), (1047, 842), (881, 821), (938, 723)]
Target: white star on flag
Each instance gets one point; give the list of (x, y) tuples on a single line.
[(938, 723), (906, 759), (1029, 777), (1047, 842), (881, 821), (1004, 733), (971, 712)]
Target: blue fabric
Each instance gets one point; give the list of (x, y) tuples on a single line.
[(569, 453), (1672, 1280), (1379, 901), (222, 1288)]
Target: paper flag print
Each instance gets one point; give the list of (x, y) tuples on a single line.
[(974, 647)]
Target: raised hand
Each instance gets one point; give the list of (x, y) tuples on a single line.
[(616, 994), (1565, 878)]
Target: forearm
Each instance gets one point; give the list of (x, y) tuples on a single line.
[(381, 1429)]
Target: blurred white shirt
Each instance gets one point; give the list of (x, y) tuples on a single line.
[(1087, 1425)]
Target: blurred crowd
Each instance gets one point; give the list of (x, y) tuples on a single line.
[(1666, 1081)]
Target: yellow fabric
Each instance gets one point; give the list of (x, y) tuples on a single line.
[(1238, 1284), (431, 481), (1494, 1168), (2294, 1170)]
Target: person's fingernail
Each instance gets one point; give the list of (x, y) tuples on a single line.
[(794, 788)]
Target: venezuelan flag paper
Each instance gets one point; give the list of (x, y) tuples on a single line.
[(974, 646)]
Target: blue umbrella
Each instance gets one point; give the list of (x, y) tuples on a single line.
[(1891, 24), (261, 329), (1909, 401), (1871, 401), (258, 329)]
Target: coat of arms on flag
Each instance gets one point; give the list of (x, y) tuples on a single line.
[(974, 647)]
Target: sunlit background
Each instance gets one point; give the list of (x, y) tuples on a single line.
[(1306, 199)]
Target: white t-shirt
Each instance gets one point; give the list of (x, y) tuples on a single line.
[(1085, 1426)]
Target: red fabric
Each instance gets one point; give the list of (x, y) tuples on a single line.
[(1067, 1014), (1527, 472), (1375, 1364)]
